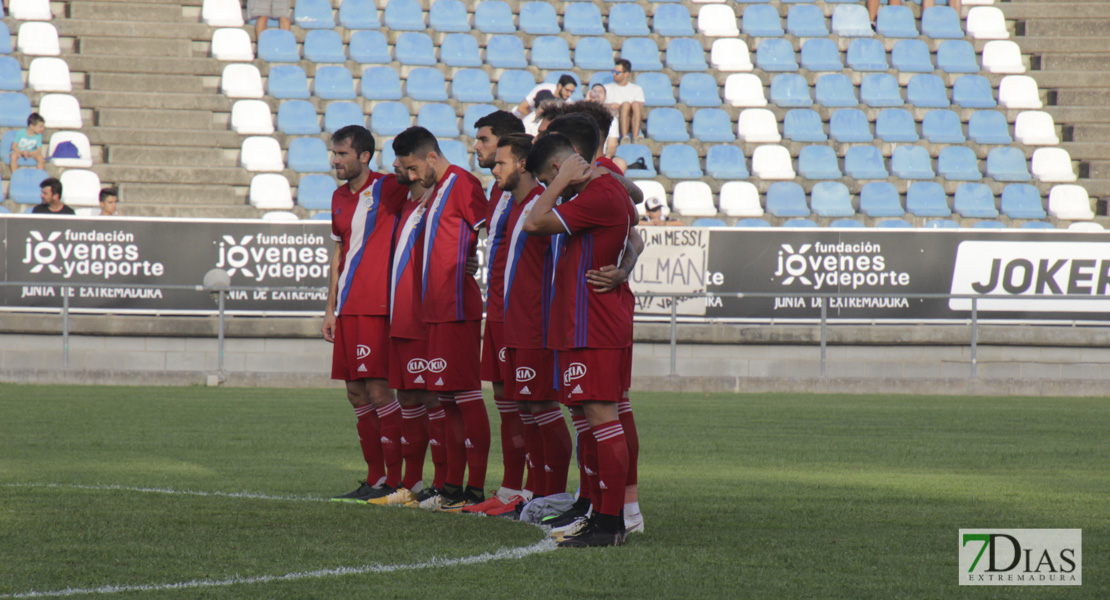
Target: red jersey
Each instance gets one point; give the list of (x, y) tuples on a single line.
[(597, 220), (363, 224), (497, 216), (456, 210), (608, 164), (528, 272), (406, 319)]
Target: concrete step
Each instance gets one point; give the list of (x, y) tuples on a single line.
[(122, 136), (136, 47), (1099, 169), (1056, 45), (192, 30), (1052, 10), (118, 63), (132, 82), (173, 175), (168, 156), (1099, 150), (1092, 97), (1087, 132), (1092, 27), (155, 119), (1069, 79), (108, 99), (200, 211), (1096, 188), (1079, 114), (210, 195), (1077, 62), (125, 11)]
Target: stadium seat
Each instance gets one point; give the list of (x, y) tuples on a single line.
[(787, 199), (806, 21), (731, 55), (835, 90), (324, 46), (38, 39), (23, 187), (1006, 163), (507, 51), (1035, 128), (334, 83), (8, 138), (879, 90), (241, 80), (280, 216), (278, 45), (772, 162), (313, 14), (973, 91), (667, 125), (591, 53), (1053, 165), (459, 49), (11, 74), (679, 161), (698, 89), (849, 125), (896, 22), (927, 91), (941, 22), (880, 199), (1019, 92), (912, 162), (975, 201), (514, 86), (643, 53), (60, 111), (957, 56), (415, 49), (539, 18), (379, 83), (686, 54), (1086, 226), (261, 153), (308, 155), (229, 44), (673, 20), (988, 127), (625, 20), (5, 39), (845, 223), (471, 85), (271, 191), (927, 199), (426, 84), (821, 54), (803, 125), (790, 90), (959, 163), (911, 56), (987, 23), (896, 125), (775, 55), (369, 48), (942, 224), (440, 119), (831, 199), (222, 13), (1038, 225), (751, 223), (988, 225), (1022, 201), (761, 21), (494, 16), (744, 89), (472, 114), (79, 140), (716, 20), (359, 14), (740, 199), (894, 224), (851, 20), (389, 119), (637, 153), (652, 189), (551, 53), (341, 114), (1068, 202), (708, 222), (798, 223), (314, 192), (287, 81), (942, 127), (867, 54), (712, 125), (755, 125), (693, 199), (404, 15), (80, 187), (657, 89), (999, 56), (448, 16), (385, 155), (864, 162), (298, 117), (818, 162), (726, 162)]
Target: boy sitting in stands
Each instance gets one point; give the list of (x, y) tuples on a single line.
[(28, 143)]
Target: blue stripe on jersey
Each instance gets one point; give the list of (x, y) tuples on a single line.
[(460, 272), (581, 300), (548, 291), (496, 228), (410, 231), (432, 227), (361, 230)]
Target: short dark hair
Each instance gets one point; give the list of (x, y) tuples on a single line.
[(595, 110), (581, 130), (565, 80), (521, 144), (361, 138), (501, 123), (541, 97), (35, 118), (54, 185), (623, 62), (544, 148), (414, 140), (107, 192)]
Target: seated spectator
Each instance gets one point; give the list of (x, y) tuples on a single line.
[(654, 208), (264, 10), (28, 143), (52, 199), (532, 119), (626, 100), (597, 94), (560, 91), (109, 202)]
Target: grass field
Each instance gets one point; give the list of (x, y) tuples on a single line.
[(745, 496)]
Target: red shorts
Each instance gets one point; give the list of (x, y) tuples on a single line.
[(494, 366), (454, 356), (533, 373), (408, 363), (626, 371), (592, 374), (361, 349)]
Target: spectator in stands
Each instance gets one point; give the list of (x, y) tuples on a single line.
[(52, 199), (561, 90), (597, 94), (873, 7), (654, 207), (531, 121), (109, 201), (28, 143), (264, 10), (626, 100)]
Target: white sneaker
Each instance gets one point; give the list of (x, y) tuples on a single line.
[(634, 523), (569, 529), (432, 502)]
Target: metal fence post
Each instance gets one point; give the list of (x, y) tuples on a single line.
[(223, 375), (674, 336), (824, 321), (974, 336), (65, 327)]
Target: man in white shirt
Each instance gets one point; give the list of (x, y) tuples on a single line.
[(626, 99), (562, 90)]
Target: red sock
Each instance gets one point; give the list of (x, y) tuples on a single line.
[(390, 418), (414, 443), (456, 447), (512, 443), (533, 443), (437, 441), (585, 442), (556, 449), (612, 460), (476, 423), (628, 422), (370, 438)]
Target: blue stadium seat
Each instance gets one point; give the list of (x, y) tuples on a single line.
[(324, 46), (539, 18), (942, 224), (592, 53), (313, 14), (23, 187), (835, 90), (845, 223), (471, 85), (958, 163), (1037, 225), (896, 125), (941, 22), (505, 51), (359, 14), (713, 125), (514, 86), (314, 192), (278, 45), (849, 125), (667, 125), (298, 117), (551, 53), (494, 16), (973, 91), (988, 127), (818, 162), (699, 89), (341, 114), (896, 22), (11, 75), (864, 162), (672, 20), (708, 222), (894, 224), (415, 49), (686, 54), (369, 48), (831, 199), (787, 199), (631, 153), (912, 162), (308, 155), (1022, 201), (386, 154), (866, 54), (459, 49), (927, 199), (4, 209), (761, 21), (472, 114), (975, 201), (927, 91), (957, 56), (455, 153), (1007, 163), (448, 16), (879, 90), (803, 125), (440, 119), (600, 77), (643, 53), (584, 19), (5, 39), (726, 162), (880, 199), (800, 223), (942, 127), (790, 90), (658, 90), (679, 161), (287, 81), (752, 222), (988, 225), (775, 55), (911, 56), (625, 20), (806, 21), (381, 83), (334, 83), (390, 118), (6, 142), (426, 85), (404, 15), (821, 54), (851, 20)]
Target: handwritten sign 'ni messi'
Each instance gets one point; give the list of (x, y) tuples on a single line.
[(673, 262)]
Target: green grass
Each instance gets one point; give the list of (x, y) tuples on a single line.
[(745, 496)]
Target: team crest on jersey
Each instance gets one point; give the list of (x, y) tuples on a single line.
[(501, 354), (525, 373), (362, 351), (574, 371), (437, 365), (417, 365)]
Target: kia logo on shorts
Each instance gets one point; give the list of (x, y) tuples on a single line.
[(417, 365), (437, 365), (362, 351), (525, 373), (574, 371), (501, 354)]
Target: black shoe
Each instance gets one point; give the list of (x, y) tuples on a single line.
[(602, 531), (364, 492), (380, 492), (579, 509), (638, 164), (426, 493)]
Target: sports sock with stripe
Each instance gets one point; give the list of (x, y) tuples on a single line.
[(437, 441), (533, 442), (370, 439), (477, 440), (612, 460), (512, 443), (584, 440), (632, 438), (390, 418), (456, 446), (414, 443), (556, 449)]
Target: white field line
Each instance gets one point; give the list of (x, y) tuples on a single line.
[(545, 545)]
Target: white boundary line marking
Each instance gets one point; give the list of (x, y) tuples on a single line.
[(545, 545)]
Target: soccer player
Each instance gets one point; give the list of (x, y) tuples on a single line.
[(452, 308), (356, 318), (604, 120)]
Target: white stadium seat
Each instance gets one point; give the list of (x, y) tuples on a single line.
[(80, 188), (241, 81), (232, 44), (745, 89), (1070, 202), (84, 150), (978, 2), (694, 199), (987, 23), (30, 10), (758, 125), (48, 74), (1053, 165), (252, 117), (772, 162), (652, 189), (38, 39), (717, 20), (271, 191), (61, 111), (1019, 91), (261, 153), (730, 54), (1086, 226), (222, 13), (280, 216), (740, 199), (1002, 56), (1035, 128)]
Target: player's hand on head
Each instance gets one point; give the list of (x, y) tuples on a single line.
[(574, 170)]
